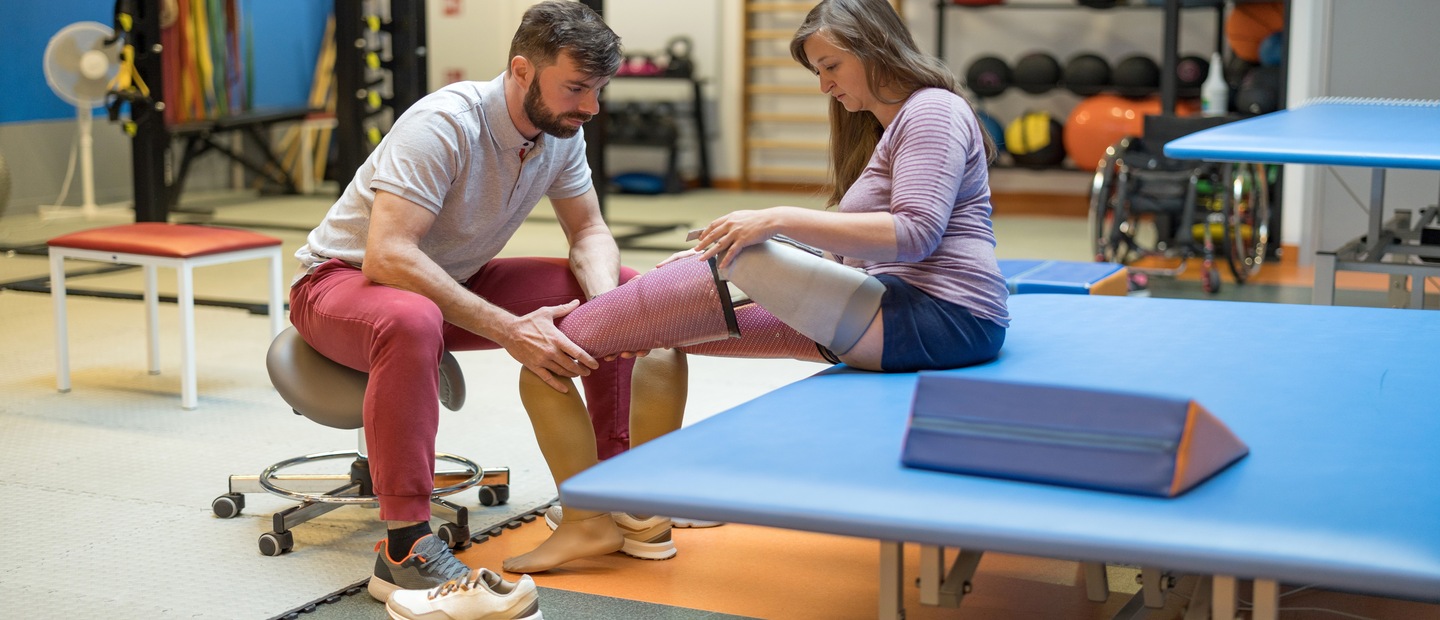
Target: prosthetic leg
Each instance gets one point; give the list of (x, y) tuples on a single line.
[(681, 303), (685, 304), (566, 438)]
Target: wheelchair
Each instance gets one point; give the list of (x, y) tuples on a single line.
[(1194, 209)]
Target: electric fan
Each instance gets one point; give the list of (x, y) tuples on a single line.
[(79, 66)]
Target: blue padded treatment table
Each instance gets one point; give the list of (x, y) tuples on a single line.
[(1366, 133), (1066, 277), (1373, 133), (1338, 405)]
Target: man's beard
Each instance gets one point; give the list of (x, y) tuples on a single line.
[(547, 121)]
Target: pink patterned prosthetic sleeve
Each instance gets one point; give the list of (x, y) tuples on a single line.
[(679, 304), (763, 336)]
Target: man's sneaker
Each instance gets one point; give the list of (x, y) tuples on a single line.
[(429, 564), (480, 595), (647, 539)]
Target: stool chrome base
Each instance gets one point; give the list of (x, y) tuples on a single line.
[(318, 495)]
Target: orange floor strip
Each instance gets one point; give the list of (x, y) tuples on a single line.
[(772, 573)]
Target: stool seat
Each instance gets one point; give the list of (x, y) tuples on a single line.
[(151, 245), (331, 393), (161, 239)]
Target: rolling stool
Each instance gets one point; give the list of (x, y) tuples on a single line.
[(332, 394), (153, 244)]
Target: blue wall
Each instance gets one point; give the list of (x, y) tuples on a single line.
[(287, 37)]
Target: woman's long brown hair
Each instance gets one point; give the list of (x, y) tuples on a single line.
[(874, 33)]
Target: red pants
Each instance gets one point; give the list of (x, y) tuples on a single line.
[(398, 337)]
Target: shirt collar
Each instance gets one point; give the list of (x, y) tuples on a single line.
[(497, 116)]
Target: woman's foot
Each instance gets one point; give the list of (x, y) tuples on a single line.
[(572, 540)]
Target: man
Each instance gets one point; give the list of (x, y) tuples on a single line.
[(403, 266)]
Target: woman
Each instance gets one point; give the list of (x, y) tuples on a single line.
[(906, 278), (908, 248)]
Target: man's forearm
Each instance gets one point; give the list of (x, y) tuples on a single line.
[(412, 271), (595, 262)]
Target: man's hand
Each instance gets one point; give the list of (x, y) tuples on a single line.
[(533, 340)]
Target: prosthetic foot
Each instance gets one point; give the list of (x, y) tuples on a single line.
[(575, 538), (679, 304), (566, 437)]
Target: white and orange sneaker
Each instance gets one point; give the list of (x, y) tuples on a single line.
[(481, 595)]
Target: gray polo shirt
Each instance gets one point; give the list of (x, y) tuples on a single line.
[(456, 153)]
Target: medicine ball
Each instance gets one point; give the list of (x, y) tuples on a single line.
[(1259, 92), (1136, 76), (1086, 74), (1236, 68), (1037, 72), (1272, 50), (1100, 121), (1249, 24), (992, 126), (1190, 74), (988, 76), (1035, 140), (677, 51)]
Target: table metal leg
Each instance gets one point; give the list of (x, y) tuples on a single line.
[(1222, 597), (1324, 292), (1267, 600), (892, 573)]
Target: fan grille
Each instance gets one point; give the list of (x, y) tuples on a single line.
[(63, 57)]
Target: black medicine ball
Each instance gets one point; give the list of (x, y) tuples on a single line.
[(1037, 72), (1136, 76), (1236, 68), (1190, 74), (1086, 74), (988, 76), (1259, 92)]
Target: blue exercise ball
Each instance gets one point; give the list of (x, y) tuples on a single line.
[(1272, 50), (995, 128)]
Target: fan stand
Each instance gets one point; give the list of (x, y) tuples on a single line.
[(87, 209)]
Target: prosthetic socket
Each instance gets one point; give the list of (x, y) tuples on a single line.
[(684, 304)]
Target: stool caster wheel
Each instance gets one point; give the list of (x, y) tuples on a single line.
[(274, 544), (228, 506), (494, 495), (457, 537)]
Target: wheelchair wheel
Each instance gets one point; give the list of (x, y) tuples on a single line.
[(1107, 220), (1247, 220)]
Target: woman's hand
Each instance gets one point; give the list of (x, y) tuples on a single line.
[(735, 231), (674, 257)]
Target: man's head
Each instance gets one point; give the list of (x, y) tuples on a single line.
[(566, 53)]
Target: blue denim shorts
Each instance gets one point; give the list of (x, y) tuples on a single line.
[(925, 333)]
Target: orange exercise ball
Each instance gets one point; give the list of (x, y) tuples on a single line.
[(1100, 121), (1249, 24)]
